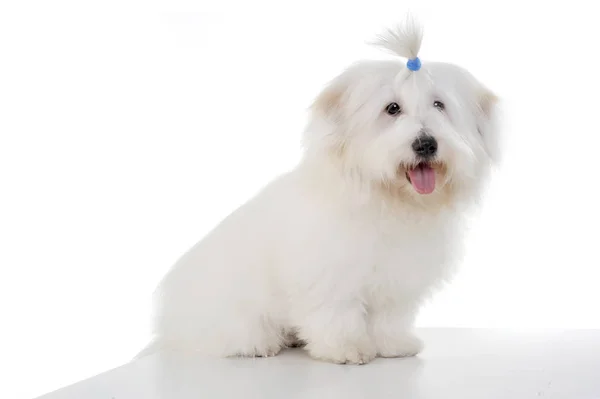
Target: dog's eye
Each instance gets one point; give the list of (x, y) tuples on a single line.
[(439, 105), (393, 109)]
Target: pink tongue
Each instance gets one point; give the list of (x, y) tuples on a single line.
[(423, 179)]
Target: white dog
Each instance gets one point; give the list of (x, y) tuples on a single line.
[(338, 254)]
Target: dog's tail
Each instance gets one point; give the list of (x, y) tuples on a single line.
[(154, 346), (403, 40)]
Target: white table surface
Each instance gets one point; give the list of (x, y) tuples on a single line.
[(457, 363)]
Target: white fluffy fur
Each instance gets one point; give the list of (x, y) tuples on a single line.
[(340, 252), (404, 40)]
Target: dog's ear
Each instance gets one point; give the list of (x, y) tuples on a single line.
[(487, 122), (487, 101), (325, 120), (329, 103)]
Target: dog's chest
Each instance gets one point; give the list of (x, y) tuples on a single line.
[(361, 251), (411, 257)]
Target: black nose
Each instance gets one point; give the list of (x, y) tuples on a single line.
[(425, 146)]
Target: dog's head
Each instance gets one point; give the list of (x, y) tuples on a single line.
[(421, 133)]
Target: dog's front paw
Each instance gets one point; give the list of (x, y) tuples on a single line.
[(403, 345), (343, 354)]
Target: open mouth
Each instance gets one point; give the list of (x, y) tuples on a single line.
[(422, 177)]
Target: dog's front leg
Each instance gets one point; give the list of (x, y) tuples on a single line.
[(338, 332), (391, 329)]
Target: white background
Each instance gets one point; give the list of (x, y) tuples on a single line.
[(127, 134)]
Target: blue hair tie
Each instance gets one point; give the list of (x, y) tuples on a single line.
[(414, 64)]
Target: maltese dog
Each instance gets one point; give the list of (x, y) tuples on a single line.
[(338, 254)]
